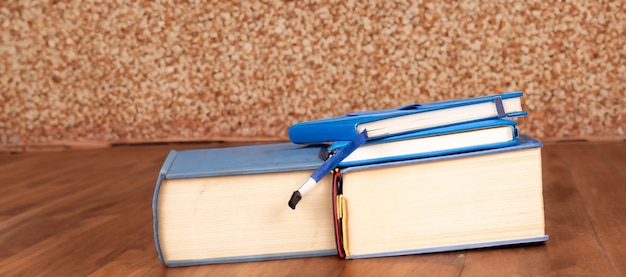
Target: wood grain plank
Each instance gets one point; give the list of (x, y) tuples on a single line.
[(615, 154), (133, 262), (88, 212), (58, 255), (572, 249), (115, 195), (437, 264), (602, 187)]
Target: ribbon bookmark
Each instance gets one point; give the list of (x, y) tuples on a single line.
[(499, 106)]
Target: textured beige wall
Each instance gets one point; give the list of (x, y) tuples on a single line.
[(115, 71)]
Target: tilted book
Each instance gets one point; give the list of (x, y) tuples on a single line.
[(444, 203), (458, 138), (227, 205), (383, 123)]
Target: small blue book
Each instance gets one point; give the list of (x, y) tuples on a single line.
[(228, 205), (464, 137), (384, 123), (467, 200)]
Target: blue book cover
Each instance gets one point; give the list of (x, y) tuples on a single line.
[(408, 118), (262, 158), (497, 196), (208, 202), (464, 137)]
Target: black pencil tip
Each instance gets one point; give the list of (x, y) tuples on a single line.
[(295, 198)]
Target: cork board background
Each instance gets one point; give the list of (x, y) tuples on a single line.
[(75, 72)]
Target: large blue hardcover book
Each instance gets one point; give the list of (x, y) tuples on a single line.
[(461, 201), (229, 205), (408, 118), (458, 138)]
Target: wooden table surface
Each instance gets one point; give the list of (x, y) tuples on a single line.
[(88, 213)]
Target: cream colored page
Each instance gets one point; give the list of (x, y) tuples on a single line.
[(243, 215), (412, 207)]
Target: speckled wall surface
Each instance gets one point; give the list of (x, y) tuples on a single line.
[(119, 71)]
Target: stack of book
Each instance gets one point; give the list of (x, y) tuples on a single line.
[(441, 176)]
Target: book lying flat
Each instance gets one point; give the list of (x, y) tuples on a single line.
[(409, 118), (452, 139), (452, 202), (227, 205)]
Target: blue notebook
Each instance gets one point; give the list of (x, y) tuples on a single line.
[(444, 203), (229, 205), (464, 137), (409, 118)]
